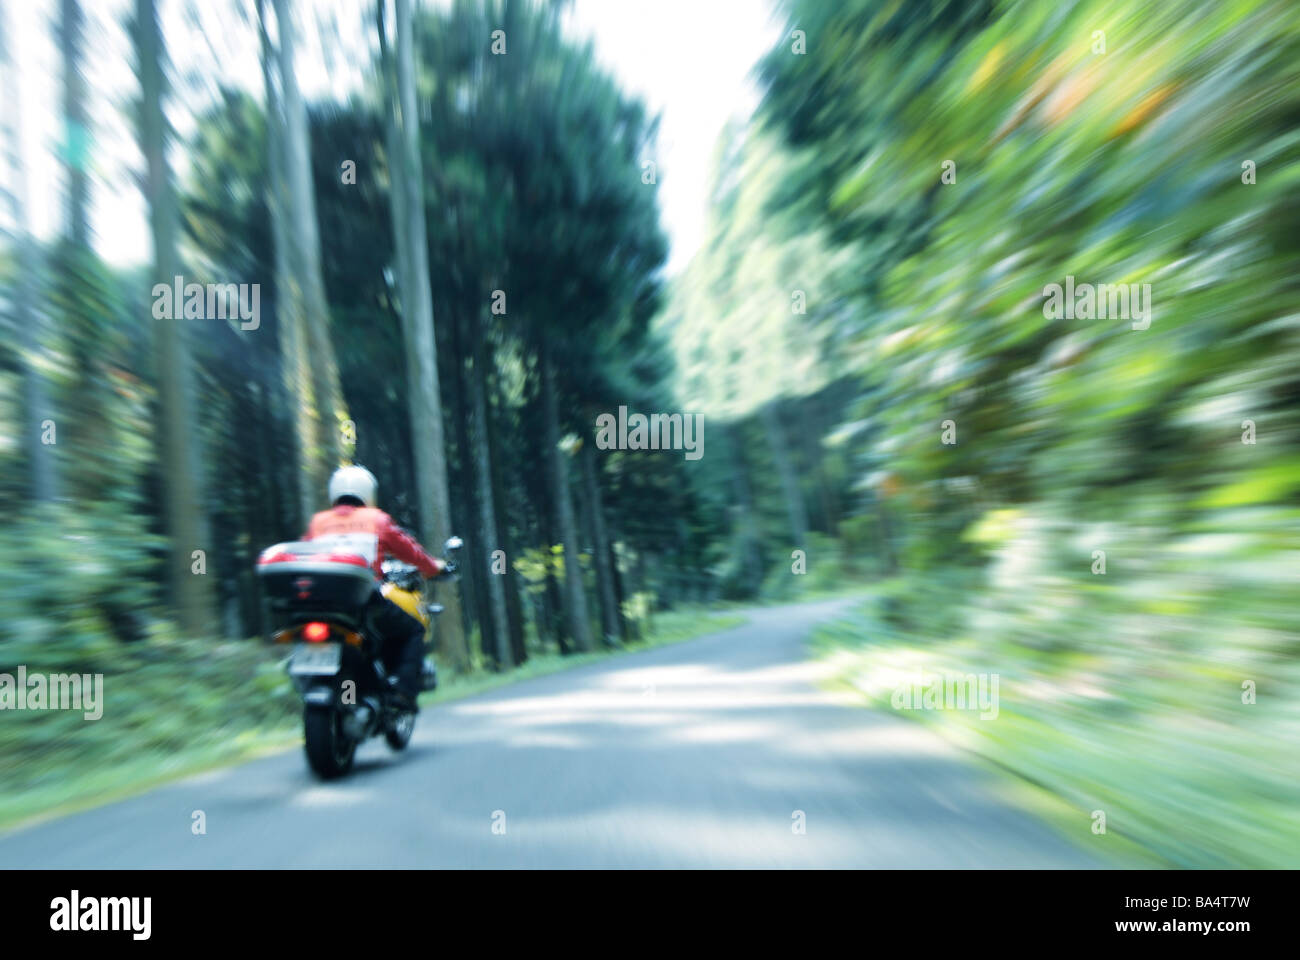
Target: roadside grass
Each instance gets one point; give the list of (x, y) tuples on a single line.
[(1171, 757), (182, 708)]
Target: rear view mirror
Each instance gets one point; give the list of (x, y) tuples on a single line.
[(452, 544)]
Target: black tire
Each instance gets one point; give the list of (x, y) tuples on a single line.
[(329, 750), (399, 734)]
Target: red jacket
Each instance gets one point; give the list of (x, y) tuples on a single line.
[(370, 522)]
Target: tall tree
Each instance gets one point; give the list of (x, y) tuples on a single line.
[(537, 193), (602, 554), (495, 583), (28, 315), (497, 411), (579, 264), (557, 460), (295, 370), (185, 520), (329, 411), (424, 397), (76, 143)]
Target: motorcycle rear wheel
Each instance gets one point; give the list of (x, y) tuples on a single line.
[(330, 751)]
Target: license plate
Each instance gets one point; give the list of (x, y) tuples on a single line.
[(316, 659)]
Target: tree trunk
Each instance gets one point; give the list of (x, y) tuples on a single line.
[(295, 368), (600, 546), (811, 437), (183, 496), (495, 583), (541, 521), (552, 605), (645, 587), (626, 626), (828, 414), (794, 504), (330, 411), (474, 591), (396, 177), (76, 146), (461, 479), (575, 608), (514, 611), (28, 315), (747, 525), (424, 396)]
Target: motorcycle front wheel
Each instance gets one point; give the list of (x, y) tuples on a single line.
[(329, 749), (399, 734)]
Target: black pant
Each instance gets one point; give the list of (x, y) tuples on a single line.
[(403, 641)]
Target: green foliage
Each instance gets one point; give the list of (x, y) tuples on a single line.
[(828, 566), (76, 588), (535, 563), (96, 358), (75, 581), (748, 319), (1077, 435), (1066, 164), (1166, 747)]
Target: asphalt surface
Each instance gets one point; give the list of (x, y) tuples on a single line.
[(709, 753)]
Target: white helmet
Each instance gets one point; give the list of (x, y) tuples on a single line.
[(353, 481)]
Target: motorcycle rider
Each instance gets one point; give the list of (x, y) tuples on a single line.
[(354, 518)]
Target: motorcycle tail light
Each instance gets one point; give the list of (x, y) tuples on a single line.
[(316, 632)]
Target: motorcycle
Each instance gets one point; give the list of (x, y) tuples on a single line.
[(316, 593)]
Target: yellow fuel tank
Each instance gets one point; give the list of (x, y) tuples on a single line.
[(408, 600)]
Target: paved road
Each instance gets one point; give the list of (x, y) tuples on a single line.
[(697, 754)]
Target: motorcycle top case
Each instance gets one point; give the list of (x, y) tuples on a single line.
[(311, 578)]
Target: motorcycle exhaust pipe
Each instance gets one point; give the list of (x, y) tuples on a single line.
[(357, 723)]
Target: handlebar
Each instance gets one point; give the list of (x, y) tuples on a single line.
[(408, 577)]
